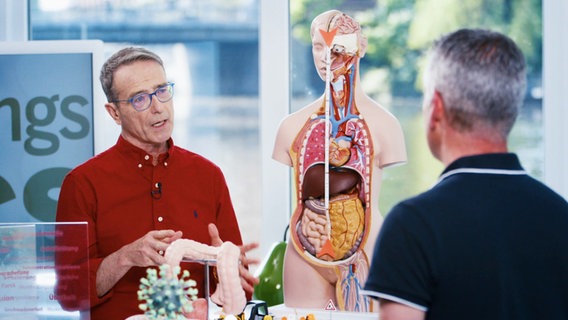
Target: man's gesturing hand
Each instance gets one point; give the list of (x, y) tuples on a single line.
[(248, 280), (149, 250)]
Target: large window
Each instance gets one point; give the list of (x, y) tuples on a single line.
[(399, 32), (210, 50)]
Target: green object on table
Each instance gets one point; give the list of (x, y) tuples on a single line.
[(270, 287)]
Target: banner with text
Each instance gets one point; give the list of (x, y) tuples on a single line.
[(46, 125)]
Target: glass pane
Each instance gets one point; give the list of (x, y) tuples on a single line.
[(399, 33), (210, 50), (41, 271)]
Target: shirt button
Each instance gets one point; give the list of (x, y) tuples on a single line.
[(160, 219), (161, 252), (146, 157), (139, 165), (165, 164)]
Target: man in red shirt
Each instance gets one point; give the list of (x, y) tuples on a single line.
[(144, 192)]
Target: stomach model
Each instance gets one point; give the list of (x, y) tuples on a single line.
[(334, 237)]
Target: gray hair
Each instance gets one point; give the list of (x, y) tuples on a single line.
[(123, 57), (480, 75)]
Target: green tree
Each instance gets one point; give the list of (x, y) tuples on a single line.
[(400, 31), (520, 19)]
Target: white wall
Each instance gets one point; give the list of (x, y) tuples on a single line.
[(555, 85), (13, 20), (274, 106)]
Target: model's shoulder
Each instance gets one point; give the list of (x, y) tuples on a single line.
[(372, 110), (293, 123), (302, 114)]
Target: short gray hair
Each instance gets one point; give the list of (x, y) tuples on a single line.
[(480, 75), (123, 57)]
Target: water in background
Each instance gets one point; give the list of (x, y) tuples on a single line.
[(422, 170)]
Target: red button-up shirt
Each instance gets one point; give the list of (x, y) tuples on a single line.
[(122, 196)]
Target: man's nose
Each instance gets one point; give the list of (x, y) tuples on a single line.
[(155, 105)]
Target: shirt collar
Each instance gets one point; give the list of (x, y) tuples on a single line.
[(492, 163), (134, 153)]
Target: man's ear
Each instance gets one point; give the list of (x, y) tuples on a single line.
[(438, 112), (113, 111), (433, 111)]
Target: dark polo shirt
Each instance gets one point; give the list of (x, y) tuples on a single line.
[(486, 242)]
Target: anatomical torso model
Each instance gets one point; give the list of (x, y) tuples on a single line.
[(337, 147)]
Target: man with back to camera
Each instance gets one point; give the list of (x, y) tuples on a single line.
[(487, 241), (144, 192)]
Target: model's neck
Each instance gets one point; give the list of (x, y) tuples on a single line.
[(343, 88)]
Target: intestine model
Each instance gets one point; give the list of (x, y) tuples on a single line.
[(229, 294)]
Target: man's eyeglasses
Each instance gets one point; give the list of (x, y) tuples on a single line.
[(142, 101)]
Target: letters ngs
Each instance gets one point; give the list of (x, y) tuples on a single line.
[(41, 112)]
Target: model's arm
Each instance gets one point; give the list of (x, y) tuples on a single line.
[(390, 310), (387, 133), (282, 144)]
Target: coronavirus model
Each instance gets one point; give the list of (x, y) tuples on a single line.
[(164, 296)]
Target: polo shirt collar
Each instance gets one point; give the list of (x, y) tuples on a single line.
[(492, 163)]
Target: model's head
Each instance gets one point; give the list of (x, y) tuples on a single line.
[(123, 57), (349, 38), (348, 45), (480, 76)]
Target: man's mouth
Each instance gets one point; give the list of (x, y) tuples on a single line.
[(159, 124)]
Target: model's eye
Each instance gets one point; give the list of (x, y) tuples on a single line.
[(338, 49)]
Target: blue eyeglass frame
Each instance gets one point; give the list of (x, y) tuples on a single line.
[(150, 96)]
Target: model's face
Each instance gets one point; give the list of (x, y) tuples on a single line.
[(341, 59), (151, 128)]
